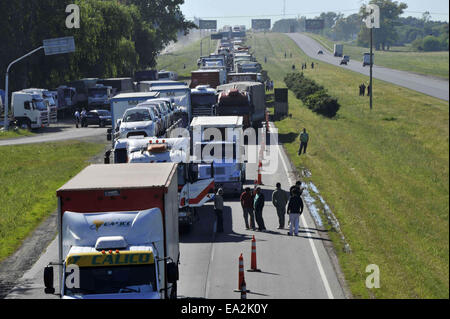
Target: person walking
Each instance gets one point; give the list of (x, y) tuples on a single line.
[(259, 205), (369, 90), (280, 200), (298, 186), (304, 139), (363, 89), (83, 118), (294, 210), (247, 207), (77, 118), (312, 65), (218, 209)]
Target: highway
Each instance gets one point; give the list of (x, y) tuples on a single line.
[(291, 267), (424, 84)]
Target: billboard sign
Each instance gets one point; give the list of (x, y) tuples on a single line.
[(314, 24), (261, 24), (207, 24)]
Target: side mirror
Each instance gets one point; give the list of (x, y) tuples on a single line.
[(48, 280), (172, 273)]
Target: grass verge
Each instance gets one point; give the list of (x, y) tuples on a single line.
[(399, 58), (29, 178), (14, 134), (384, 173)]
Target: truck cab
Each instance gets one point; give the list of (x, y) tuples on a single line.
[(29, 109), (118, 233), (49, 100), (99, 96), (203, 101)]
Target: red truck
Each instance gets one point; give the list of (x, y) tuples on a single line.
[(212, 77)]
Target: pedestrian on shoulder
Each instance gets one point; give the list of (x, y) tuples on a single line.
[(280, 200), (259, 205), (218, 209), (363, 89), (83, 118), (294, 210), (77, 118), (247, 207), (298, 186), (304, 139)]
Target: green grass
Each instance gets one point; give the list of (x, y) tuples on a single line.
[(14, 134), (188, 55), (399, 58), (29, 178), (384, 174)]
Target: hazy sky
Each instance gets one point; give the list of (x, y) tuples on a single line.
[(240, 12)]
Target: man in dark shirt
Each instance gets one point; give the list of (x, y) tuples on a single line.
[(259, 205), (247, 207), (295, 209)]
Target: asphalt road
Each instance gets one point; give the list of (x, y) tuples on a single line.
[(420, 83), (292, 267), (61, 131)]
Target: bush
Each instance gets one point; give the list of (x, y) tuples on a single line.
[(431, 43), (321, 103), (313, 95)]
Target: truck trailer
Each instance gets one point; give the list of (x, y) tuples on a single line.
[(118, 233)]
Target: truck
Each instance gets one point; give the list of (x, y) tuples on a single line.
[(81, 86), (366, 59), (67, 99), (147, 75), (203, 101), (29, 109), (338, 50), (242, 77), (119, 85), (229, 168), (246, 99), (118, 233), (211, 77), (100, 96), (145, 86), (248, 67), (167, 75), (193, 193), (47, 96)]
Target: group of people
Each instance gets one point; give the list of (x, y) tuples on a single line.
[(252, 203), (80, 117), (362, 90), (304, 66), (269, 85)]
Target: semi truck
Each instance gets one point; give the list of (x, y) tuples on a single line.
[(118, 233), (193, 193), (338, 50), (81, 87), (47, 96), (119, 85), (29, 109), (203, 101), (147, 75), (224, 152), (242, 77), (246, 99), (99, 96)]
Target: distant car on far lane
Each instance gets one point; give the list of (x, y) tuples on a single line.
[(345, 60), (320, 52)]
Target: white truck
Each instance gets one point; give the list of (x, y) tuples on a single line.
[(49, 100), (225, 150), (338, 50), (99, 96), (118, 233), (193, 193), (29, 109)]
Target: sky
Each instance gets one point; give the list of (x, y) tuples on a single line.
[(241, 12)]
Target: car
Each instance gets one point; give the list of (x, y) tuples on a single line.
[(138, 121), (97, 117), (345, 60), (320, 52)]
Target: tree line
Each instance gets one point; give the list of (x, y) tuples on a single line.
[(422, 33), (115, 38)]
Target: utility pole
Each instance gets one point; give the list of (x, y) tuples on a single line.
[(371, 68), (372, 21)]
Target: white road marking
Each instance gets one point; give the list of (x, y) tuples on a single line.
[(311, 241)]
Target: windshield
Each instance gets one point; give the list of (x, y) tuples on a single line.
[(137, 116), (203, 99), (103, 113), (39, 105), (114, 280), (97, 92)]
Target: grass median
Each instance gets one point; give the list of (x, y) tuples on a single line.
[(14, 134), (29, 178), (399, 58), (384, 173)]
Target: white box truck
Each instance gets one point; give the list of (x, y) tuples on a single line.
[(338, 50), (118, 233), (29, 109)]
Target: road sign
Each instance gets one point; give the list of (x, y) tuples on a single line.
[(314, 24), (216, 36), (207, 24), (261, 24), (59, 46)]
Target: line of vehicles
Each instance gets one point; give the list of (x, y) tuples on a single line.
[(119, 223)]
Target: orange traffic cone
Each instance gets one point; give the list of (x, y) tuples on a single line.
[(253, 257), (259, 180), (243, 290), (241, 272)]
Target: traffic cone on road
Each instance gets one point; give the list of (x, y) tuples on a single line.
[(259, 180), (243, 290), (241, 272), (254, 268)]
